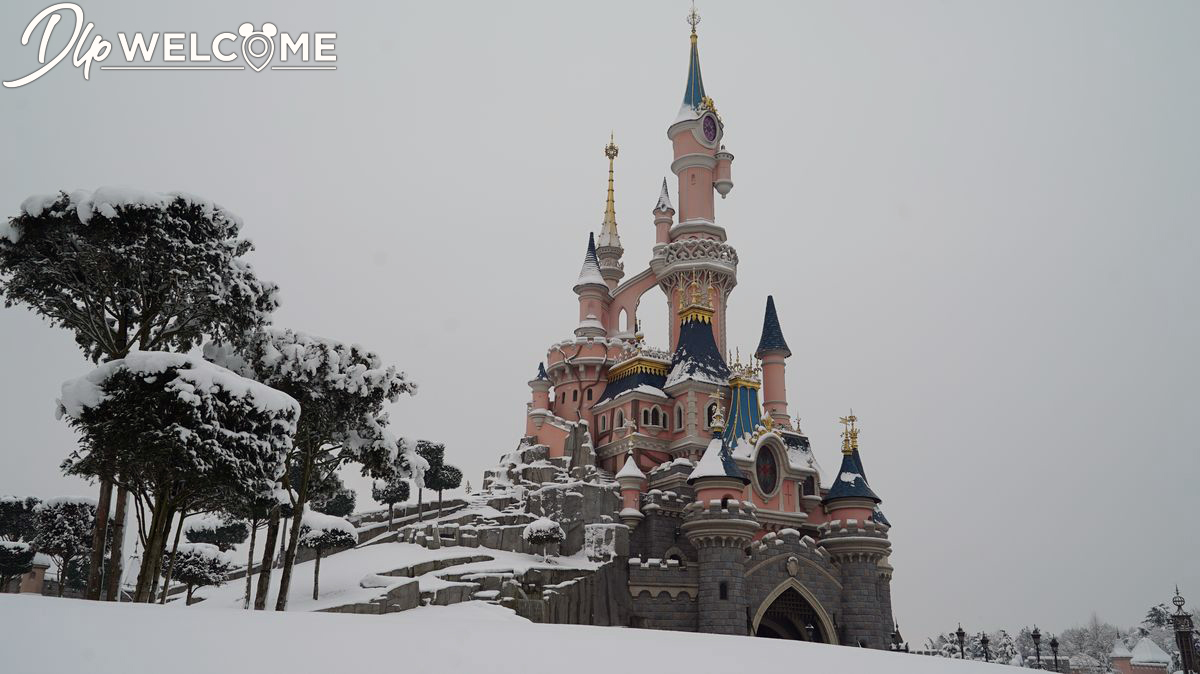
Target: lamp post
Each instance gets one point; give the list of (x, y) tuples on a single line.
[(1054, 650), (983, 641), (1185, 637), (1037, 645), (962, 642)]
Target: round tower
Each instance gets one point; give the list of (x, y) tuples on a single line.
[(720, 525), (773, 351), (593, 294), (664, 213), (632, 481)]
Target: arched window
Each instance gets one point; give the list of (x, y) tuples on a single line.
[(645, 417), (679, 418), (712, 413), (589, 394), (603, 423), (620, 420), (655, 417)]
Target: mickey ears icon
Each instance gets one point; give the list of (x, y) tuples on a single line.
[(268, 30)]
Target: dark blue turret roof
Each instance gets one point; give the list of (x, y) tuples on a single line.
[(697, 356), (542, 372), (693, 96), (772, 335), (849, 482), (631, 382)]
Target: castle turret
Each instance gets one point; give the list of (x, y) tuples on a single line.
[(609, 250), (663, 214), (593, 294), (632, 480), (858, 544), (772, 351), (720, 525)]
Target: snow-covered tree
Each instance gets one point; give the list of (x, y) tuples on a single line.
[(443, 477), (260, 510), (220, 529), (342, 389), (200, 565), (122, 270), (322, 532), (390, 491), (1003, 648), (64, 531), (1095, 639), (332, 496), (181, 432), (543, 532), (1157, 616), (16, 558), (16, 518)]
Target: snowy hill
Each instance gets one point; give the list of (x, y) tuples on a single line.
[(44, 634)]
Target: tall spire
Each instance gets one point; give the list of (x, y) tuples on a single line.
[(664, 200), (590, 272), (693, 95), (772, 335), (608, 230)]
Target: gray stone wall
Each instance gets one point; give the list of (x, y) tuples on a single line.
[(658, 533), (768, 568), (722, 612), (861, 616), (664, 612)]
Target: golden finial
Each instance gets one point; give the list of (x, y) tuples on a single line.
[(611, 149), (849, 433), (608, 229), (693, 17), (718, 420)]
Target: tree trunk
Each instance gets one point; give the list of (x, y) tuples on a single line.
[(250, 562), (317, 574), (174, 550), (62, 575), (154, 544), (116, 559), (420, 510), (268, 558), (390, 506), (99, 538), (439, 504), (188, 602), (285, 576), (278, 560)]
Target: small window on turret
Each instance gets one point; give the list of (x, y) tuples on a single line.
[(603, 424), (589, 394), (723, 590), (679, 418), (655, 417), (575, 396)]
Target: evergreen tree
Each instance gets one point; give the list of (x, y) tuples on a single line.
[(325, 532), (16, 559), (16, 518), (1095, 639), (444, 476), (200, 565), (543, 532), (434, 454), (390, 491), (219, 529), (340, 504), (1158, 616), (125, 270), (182, 433), (64, 532), (1003, 648), (342, 390)]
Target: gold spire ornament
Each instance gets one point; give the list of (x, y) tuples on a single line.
[(608, 229), (849, 433), (693, 18)]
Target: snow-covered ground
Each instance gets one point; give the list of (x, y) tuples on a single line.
[(343, 575), (44, 634)]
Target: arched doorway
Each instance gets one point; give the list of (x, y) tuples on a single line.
[(790, 615)]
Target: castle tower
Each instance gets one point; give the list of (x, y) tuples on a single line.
[(663, 213), (702, 168), (720, 526), (856, 538), (593, 294), (632, 481), (697, 367), (609, 250), (772, 351)]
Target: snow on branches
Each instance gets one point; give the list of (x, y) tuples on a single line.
[(199, 565), (221, 530), (126, 269), (323, 532), (543, 531)]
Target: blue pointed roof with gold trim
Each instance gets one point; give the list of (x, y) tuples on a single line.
[(772, 335)]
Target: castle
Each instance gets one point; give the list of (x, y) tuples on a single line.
[(734, 529)]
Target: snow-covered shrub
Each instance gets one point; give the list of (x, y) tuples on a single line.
[(16, 558), (219, 529), (339, 504), (16, 518), (64, 531), (182, 429), (543, 532), (200, 565), (390, 491), (323, 532)]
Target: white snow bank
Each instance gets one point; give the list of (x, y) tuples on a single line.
[(470, 637)]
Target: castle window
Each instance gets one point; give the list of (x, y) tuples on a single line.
[(655, 418), (712, 413), (603, 423), (575, 396), (589, 394), (620, 421), (645, 417), (723, 590), (724, 502), (810, 486), (679, 418)]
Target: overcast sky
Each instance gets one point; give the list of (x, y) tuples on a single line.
[(978, 220)]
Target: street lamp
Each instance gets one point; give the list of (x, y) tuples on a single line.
[(1054, 649), (983, 641), (1037, 645), (811, 631), (962, 642)]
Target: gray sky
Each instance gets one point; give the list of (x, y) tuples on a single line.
[(978, 221)]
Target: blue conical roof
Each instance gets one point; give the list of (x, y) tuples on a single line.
[(772, 335), (850, 481), (697, 356), (542, 371), (693, 95)]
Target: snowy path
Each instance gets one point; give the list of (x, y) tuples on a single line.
[(44, 634)]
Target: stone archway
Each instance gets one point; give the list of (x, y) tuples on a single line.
[(789, 612)]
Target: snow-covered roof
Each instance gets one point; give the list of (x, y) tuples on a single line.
[(850, 482), (1146, 652), (716, 462), (631, 470), (590, 272), (1120, 650), (664, 199), (697, 357)]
